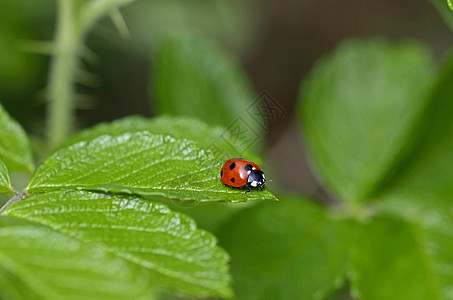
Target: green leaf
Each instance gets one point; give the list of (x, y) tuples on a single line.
[(393, 259), (445, 8), (360, 108), (38, 263), (178, 256), (214, 138), (427, 174), (286, 250), (5, 182), (140, 163), (15, 149), (195, 78)]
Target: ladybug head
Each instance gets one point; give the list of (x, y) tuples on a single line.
[(256, 179)]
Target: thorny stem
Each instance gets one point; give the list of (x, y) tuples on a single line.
[(61, 79), (16, 198)]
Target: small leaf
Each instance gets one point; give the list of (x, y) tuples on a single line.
[(360, 107), (38, 263), (140, 163), (5, 182), (393, 260), (287, 250), (15, 149), (178, 256), (195, 78)]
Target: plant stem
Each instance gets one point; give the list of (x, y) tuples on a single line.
[(16, 198), (61, 79)]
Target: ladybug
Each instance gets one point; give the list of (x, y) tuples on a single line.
[(239, 172)]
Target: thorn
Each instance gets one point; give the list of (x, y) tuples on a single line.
[(86, 78), (105, 32), (119, 22), (89, 55)]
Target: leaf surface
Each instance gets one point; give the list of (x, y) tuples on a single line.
[(5, 182), (178, 257), (140, 163), (38, 263), (393, 259), (286, 250), (15, 148), (427, 174), (361, 105)]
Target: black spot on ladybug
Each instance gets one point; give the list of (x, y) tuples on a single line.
[(248, 167), (221, 174), (232, 179), (232, 166)]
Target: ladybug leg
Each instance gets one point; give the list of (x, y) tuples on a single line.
[(249, 189)]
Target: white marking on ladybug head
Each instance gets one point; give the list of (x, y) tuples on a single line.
[(253, 168), (248, 172), (264, 177), (254, 183)]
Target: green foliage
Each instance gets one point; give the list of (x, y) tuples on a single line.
[(142, 163), (194, 78), (5, 182), (407, 144), (428, 172), (176, 255), (165, 249), (450, 4), (387, 252), (15, 149), (357, 126), (423, 193), (288, 250), (38, 263)]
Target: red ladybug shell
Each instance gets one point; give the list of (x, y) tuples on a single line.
[(235, 171)]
